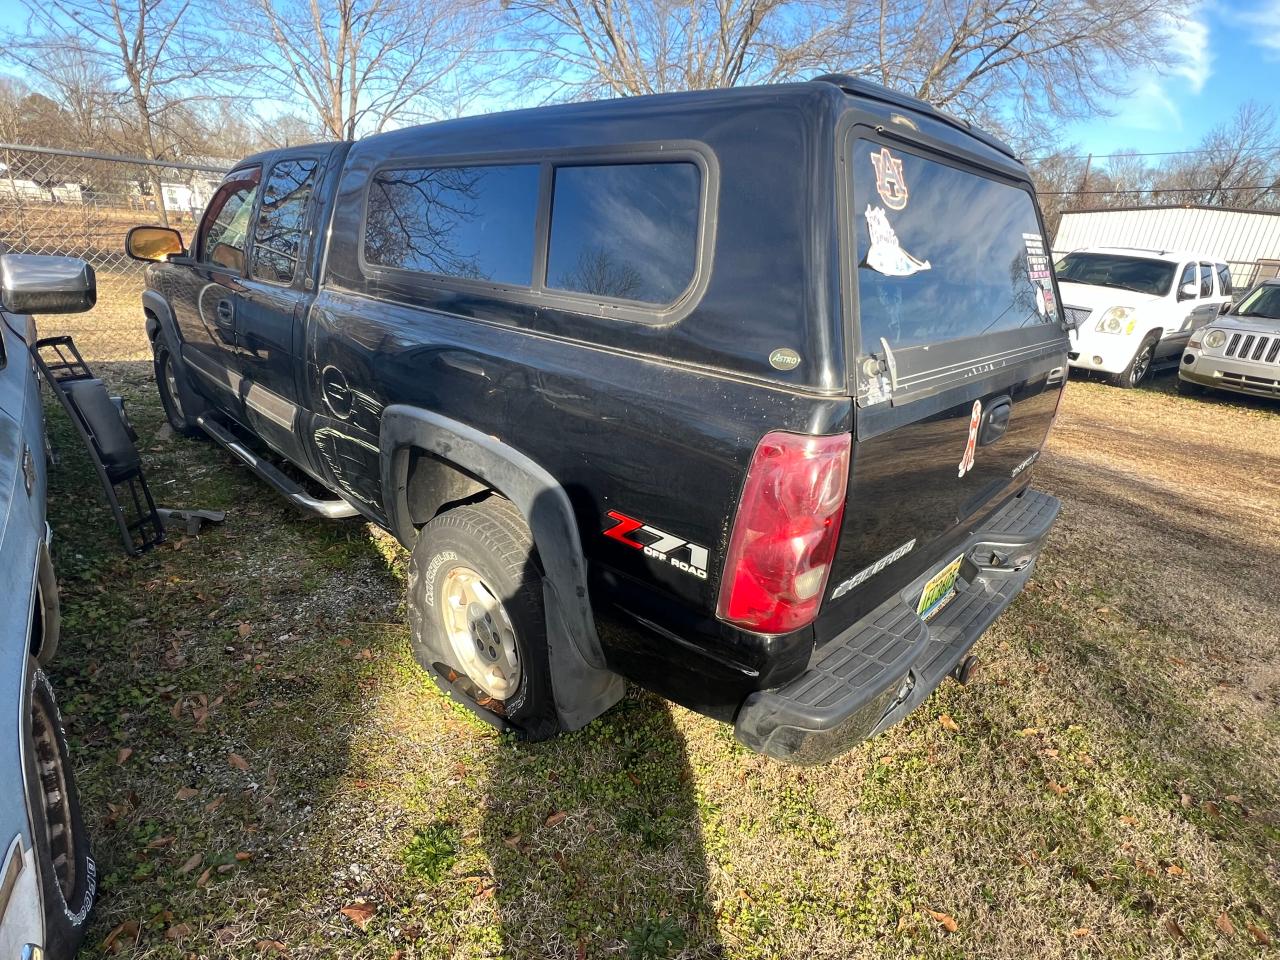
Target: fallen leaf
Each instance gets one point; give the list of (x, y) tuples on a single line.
[(1259, 934), (178, 931), (359, 913), (160, 842), (187, 793), (1174, 870), (1186, 801), (948, 723), (582, 949), (237, 761), (244, 630), (1057, 788), (365, 654), (1211, 809), (398, 955), (192, 862), (271, 946), (1233, 798), (214, 804), (127, 931), (1224, 924), (1050, 752), (948, 922), (203, 879), (555, 819), (344, 642), (1082, 932), (244, 856), (1129, 821), (176, 712), (1085, 759), (124, 754), (1028, 731), (1175, 929)]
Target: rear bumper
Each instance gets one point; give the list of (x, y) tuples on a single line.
[(881, 668)]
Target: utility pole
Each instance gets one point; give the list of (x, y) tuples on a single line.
[(1084, 182)]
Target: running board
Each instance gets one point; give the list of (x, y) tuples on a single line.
[(289, 489)]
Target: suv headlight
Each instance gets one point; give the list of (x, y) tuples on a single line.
[(1116, 320), (1214, 339)]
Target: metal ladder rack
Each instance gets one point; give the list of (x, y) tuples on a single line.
[(107, 435)]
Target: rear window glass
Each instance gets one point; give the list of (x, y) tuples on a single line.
[(1137, 274), (943, 253), (625, 231), (476, 223), (1224, 279), (277, 239)]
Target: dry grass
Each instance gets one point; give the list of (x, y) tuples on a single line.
[(1112, 788)]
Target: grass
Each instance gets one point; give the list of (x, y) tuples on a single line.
[(266, 771)]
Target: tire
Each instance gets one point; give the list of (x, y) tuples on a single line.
[(1140, 366), (495, 656), (175, 401), (68, 875), (1189, 389)]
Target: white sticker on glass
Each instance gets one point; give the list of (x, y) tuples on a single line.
[(885, 255)]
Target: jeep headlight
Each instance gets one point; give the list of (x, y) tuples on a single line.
[(1116, 320), (1214, 339)]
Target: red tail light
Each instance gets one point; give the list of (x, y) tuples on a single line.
[(785, 533)]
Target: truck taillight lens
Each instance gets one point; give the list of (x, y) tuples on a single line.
[(785, 533)]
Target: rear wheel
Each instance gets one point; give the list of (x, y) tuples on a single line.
[(68, 875), (477, 616), (171, 394), (1140, 365)]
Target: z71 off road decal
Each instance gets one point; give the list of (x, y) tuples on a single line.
[(658, 544), (966, 462)]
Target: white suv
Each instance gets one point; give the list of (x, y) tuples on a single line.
[(1134, 309)]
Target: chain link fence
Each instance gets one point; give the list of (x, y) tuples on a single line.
[(81, 205)]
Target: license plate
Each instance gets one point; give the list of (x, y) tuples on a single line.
[(940, 588)]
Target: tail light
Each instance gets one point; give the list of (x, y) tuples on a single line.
[(785, 533)]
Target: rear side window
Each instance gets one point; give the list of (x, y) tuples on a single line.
[(282, 218), (943, 253), (625, 231), (1188, 276), (1206, 279), (1224, 279), (474, 223)]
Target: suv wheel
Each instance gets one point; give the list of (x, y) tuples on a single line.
[(170, 390), (1140, 365), (68, 875), (477, 616)]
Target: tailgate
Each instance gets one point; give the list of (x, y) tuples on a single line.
[(960, 359)]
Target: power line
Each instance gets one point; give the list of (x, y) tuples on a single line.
[(1128, 153), (1265, 188)]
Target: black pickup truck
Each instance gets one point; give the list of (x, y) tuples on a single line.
[(732, 393)]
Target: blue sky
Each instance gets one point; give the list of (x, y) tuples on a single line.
[(1229, 53)]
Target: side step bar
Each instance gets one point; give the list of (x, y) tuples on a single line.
[(333, 509)]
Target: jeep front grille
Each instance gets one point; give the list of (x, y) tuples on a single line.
[(1260, 348), (1076, 316)]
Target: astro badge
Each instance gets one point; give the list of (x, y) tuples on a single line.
[(885, 255), (890, 183), (966, 462)]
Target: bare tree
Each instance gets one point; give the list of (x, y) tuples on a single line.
[(150, 56), (361, 64), (1237, 164), (630, 47), (1025, 63)]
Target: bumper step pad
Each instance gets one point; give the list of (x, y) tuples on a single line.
[(884, 666)]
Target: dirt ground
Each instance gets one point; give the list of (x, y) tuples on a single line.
[(266, 772)]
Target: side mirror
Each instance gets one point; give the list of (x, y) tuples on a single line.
[(32, 283), (154, 244), (1188, 291), (1225, 307)]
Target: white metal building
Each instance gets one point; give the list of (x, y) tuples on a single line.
[(1247, 240)]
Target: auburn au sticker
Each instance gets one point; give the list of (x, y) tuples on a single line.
[(890, 182), (975, 419)]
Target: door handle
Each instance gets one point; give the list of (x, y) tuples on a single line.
[(226, 312), (996, 421)]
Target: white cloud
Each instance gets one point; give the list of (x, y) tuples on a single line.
[(1193, 56), (1261, 23)]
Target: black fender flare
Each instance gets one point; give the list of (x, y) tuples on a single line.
[(161, 323), (582, 684)]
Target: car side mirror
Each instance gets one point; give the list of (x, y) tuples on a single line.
[(1225, 307), (34, 283), (153, 244), (1188, 291)]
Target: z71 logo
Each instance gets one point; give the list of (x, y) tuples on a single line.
[(658, 544)]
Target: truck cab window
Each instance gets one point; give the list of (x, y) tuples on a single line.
[(278, 236), (1206, 279), (224, 231)]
